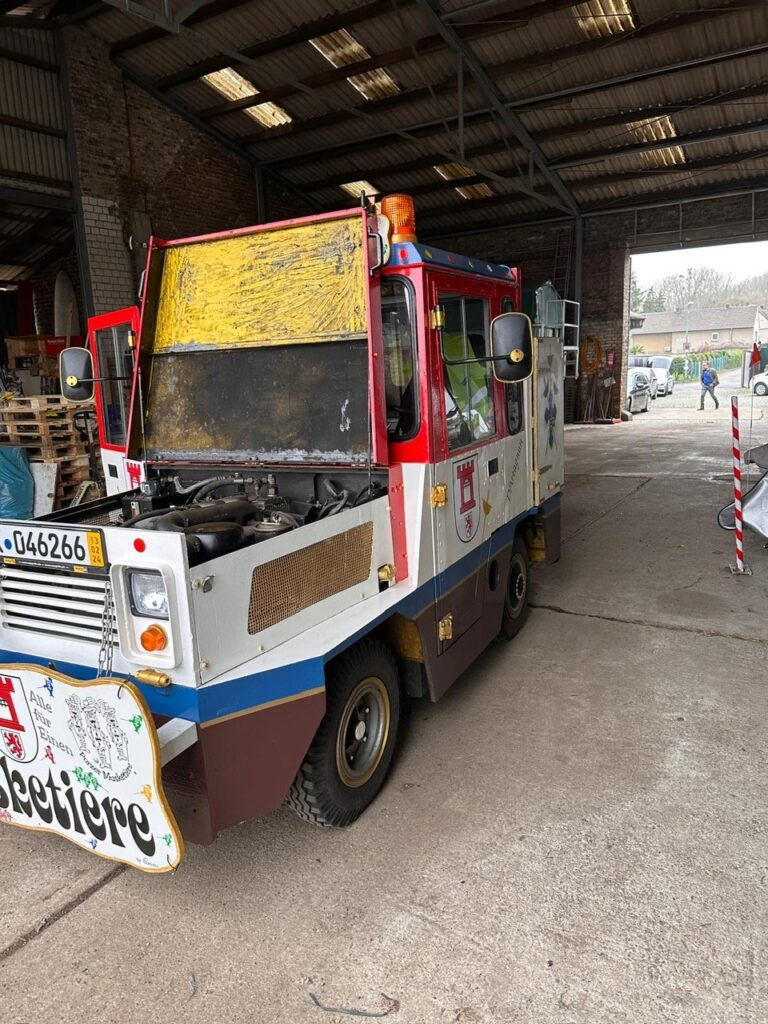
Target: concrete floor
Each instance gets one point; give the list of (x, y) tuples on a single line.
[(576, 834)]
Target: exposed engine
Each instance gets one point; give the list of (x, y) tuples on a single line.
[(221, 514)]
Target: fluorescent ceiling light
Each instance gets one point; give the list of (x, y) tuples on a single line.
[(657, 129), (233, 86), (599, 19), (341, 48), (354, 188), (457, 170)]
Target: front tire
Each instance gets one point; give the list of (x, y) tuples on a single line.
[(518, 594), (761, 389), (352, 752)]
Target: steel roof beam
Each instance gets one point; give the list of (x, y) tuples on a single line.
[(397, 168), (437, 126), (150, 35), (36, 179), (390, 58), (224, 140), (29, 236), (510, 120), (431, 44), (302, 34), (732, 189), (31, 126), (600, 181), (710, 135), (62, 216), (24, 58)]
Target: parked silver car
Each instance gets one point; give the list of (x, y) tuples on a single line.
[(638, 389), (665, 379), (662, 368)]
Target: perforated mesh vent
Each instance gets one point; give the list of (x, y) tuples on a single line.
[(292, 583)]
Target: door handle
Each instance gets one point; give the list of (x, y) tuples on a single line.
[(493, 466)]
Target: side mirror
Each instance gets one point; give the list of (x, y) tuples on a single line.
[(76, 374), (512, 346)]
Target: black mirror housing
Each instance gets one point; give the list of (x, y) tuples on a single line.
[(76, 374), (512, 347)]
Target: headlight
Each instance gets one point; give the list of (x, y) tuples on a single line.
[(148, 595)]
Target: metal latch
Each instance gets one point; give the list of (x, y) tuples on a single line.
[(445, 627), (387, 573), (437, 318), (439, 495)]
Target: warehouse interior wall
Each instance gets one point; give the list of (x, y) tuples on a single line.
[(608, 241), (142, 169)]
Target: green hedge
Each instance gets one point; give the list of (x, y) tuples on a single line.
[(719, 359)]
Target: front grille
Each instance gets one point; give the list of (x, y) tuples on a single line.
[(52, 604)]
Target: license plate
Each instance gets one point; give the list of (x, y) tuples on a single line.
[(81, 759), (73, 547)]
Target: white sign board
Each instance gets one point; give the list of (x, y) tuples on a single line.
[(82, 759)]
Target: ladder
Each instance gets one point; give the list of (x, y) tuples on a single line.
[(561, 271), (559, 318)]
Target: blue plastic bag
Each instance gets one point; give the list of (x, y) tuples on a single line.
[(17, 487)]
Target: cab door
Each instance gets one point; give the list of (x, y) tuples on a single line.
[(467, 479), (111, 339)]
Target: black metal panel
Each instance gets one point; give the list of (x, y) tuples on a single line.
[(281, 403)]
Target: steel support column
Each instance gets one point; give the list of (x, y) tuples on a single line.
[(578, 255), (81, 244)]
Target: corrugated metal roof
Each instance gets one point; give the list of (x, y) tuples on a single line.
[(605, 55), (33, 152)]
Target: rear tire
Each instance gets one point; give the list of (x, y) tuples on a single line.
[(761, 389), (352, 752), (518, 592)]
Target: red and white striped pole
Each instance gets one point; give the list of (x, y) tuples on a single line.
[(738, 569)]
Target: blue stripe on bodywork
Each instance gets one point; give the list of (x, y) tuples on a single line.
[(249, 692)]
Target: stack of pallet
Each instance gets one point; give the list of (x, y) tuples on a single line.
[(43, 425)]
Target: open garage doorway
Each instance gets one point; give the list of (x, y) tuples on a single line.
[(698, 331)]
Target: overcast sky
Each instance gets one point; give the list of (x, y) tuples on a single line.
[(746, 259)]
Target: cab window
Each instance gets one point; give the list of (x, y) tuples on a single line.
[(468, 386), (514, 392), (115, 363), (400, 383)]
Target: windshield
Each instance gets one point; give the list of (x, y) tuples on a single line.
[(255, 346)]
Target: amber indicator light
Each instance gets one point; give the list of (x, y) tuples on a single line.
[(154, 639)]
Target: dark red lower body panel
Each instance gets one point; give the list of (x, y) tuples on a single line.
[(240, 767)]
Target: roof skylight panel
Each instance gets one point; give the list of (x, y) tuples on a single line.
[(354, 188), (658, 129), (233, 86), (599, 19), (340, 49), (457, 170)]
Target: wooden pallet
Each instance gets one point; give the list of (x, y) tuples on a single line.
[(40, 421)]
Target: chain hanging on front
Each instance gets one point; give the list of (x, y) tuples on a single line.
[(107, 647)]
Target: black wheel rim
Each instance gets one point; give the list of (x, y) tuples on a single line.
[(363, 732), (517, 586)]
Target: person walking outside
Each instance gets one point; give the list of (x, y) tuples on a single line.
[(709, 381)]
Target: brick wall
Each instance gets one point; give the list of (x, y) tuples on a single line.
[(139, 163)]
